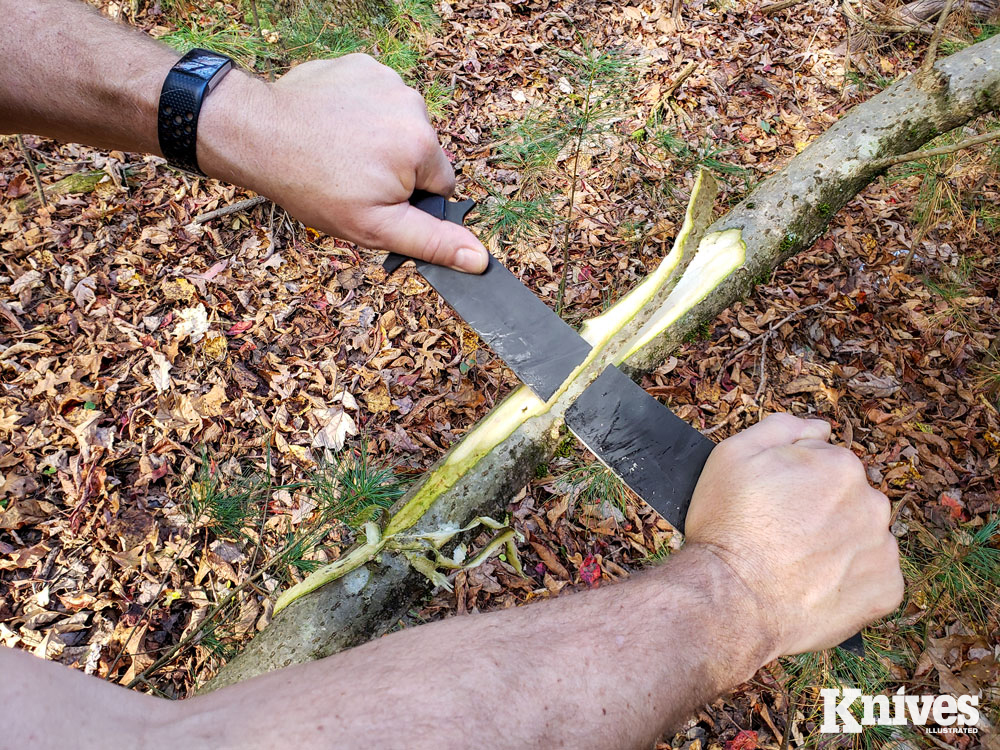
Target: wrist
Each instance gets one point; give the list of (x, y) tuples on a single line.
[(233, 130), (741, 612)]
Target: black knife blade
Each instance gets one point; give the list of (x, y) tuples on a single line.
[(657, 454), (538, 345)]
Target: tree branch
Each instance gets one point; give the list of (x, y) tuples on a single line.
[(932, 152), (499, 455), (927, 65), (33, 169), (773, 8)]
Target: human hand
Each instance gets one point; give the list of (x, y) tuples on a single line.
[(341, 144), (795, 521)]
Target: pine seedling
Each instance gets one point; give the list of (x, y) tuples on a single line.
[(225, 37), (436, 97), (228, 505), (595, 483), (987, 374), (957, 577), (511, 220), (533, 144), (355, 489), (953, 287), (806, 674)]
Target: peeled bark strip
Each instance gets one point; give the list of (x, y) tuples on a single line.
[(782, 216)]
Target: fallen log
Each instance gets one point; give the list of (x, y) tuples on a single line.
[(923, 10), (707, 270)]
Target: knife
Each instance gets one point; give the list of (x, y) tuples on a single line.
[(655, 453), (536, 344)]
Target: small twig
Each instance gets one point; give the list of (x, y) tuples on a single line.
[(230, 209), (763, 371), (260, 33), (680, 114), (197, 631), (725, 422), (932, 152), (933, 738), (33, 170), (686, 71), (182, 551), (774, 327), (878, 28), (931, 54), (767, 10), (572, 194), (309, 44)]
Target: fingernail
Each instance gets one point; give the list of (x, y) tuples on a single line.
[(471, 261)]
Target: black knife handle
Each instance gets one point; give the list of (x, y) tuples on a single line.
[(440, 208), (855, 644)]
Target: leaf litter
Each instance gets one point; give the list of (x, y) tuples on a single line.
[(176, 393)]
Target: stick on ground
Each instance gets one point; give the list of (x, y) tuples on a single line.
[(230, 209)]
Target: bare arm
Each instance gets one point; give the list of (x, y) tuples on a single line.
[(341, 144), (787, 551)]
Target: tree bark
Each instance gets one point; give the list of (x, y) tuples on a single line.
[(782, 216), (924, 10)]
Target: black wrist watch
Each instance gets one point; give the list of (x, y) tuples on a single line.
[(184, 89)]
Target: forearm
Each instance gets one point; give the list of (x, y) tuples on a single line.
[(610, 668), (44, 705), (88, 80), (74, 75)]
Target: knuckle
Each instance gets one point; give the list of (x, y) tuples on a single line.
[(727, 450), (360, 58), (781, 419), (882, 507), (413, 96), (847, 461), (426, 140)]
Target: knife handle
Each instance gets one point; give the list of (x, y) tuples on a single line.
[(855, 644), (440, 208)]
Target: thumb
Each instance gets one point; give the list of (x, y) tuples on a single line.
[(410, 231), (783, 429)]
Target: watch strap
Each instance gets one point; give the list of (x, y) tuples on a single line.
[(181, 97)]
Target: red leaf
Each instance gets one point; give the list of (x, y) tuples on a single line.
[(590, 571), (745, 740), (243, 325), (956, 506)]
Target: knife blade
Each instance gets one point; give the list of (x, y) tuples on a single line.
[(538, 345), (657, 454)]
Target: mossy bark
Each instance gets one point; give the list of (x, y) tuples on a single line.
[(74, 184), (781, 217)]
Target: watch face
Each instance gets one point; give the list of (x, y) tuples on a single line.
[(202, 64)]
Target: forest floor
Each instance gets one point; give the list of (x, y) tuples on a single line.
[(194, 416)]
